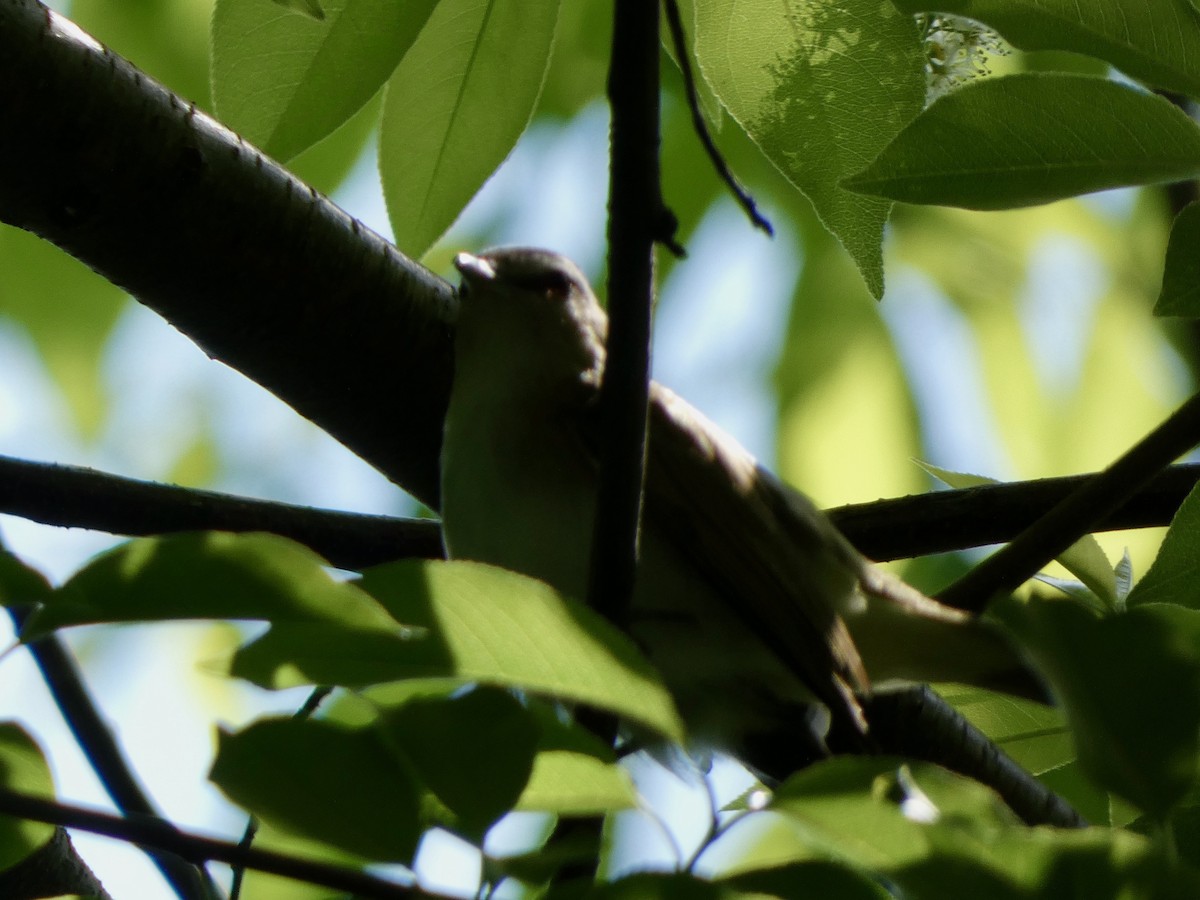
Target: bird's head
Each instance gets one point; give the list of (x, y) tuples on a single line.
[(528, 319)]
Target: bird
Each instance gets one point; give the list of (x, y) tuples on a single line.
[(762, 619)]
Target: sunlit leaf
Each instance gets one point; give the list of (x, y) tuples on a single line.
[(1180, 294), (1157, 41), (456, 106), (1001, 143), (479, 624), (208, 575), (821, 88), (286, 81)]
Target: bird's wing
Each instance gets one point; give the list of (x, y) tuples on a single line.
[(769, 551)]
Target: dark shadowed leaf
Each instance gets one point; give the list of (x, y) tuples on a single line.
[(331, 783)]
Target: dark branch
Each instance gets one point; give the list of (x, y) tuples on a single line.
[(155, 833), (634, 216), (258, 269), (899, 528), (84, 498), (944, 521), (1079, 513)]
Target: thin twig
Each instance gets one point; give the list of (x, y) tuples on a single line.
[(744, 198), (1078, 514)]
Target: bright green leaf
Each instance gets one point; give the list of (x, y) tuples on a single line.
[(1180, 294), (475, 752), (334, 784), (479, 624), (208, 575), (286, 81), (574, 774), (22, 769), (821, 88), (1033, 734), (1174, 576), (1002, 143), (1157, 41), (455, 107), (1130, 685)]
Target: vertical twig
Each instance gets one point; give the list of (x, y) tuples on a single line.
[(635, 217)]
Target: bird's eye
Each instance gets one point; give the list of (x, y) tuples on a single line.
[(550, 282)]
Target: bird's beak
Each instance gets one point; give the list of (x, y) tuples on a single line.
[(474, 268)]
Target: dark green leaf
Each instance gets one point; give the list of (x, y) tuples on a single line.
[(1130, 684), (324, 781), (1157, 41), (209, 575), (455, 107), (23, 769), (284, 82), (20, 585), (475, 752), (1001, 143), (1180, 295), (821, 88)]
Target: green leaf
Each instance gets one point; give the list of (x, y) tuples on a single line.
[(310, 8), (821, 88), (477, 623), (20, 584), (1033, 734), (208, 575), (574, 774), (455, 107), (1157, 41), (286, 81), (1130, 685), (854, 808), (475, 752), (1174, 576), (339, 785), (1180, 294), (23, 769), (1002, 143)]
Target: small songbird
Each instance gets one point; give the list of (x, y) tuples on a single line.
[(748, 600)]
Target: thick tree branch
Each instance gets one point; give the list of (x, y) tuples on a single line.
[(254, 266)]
